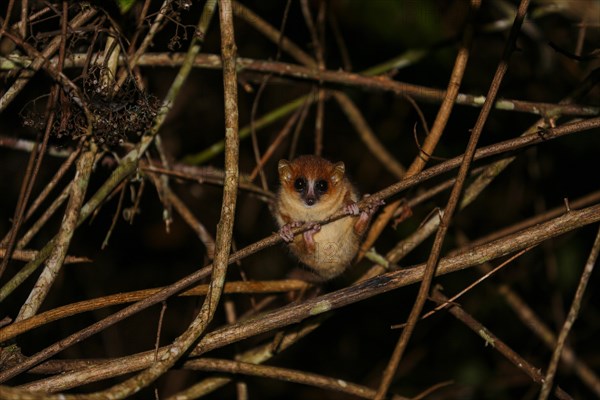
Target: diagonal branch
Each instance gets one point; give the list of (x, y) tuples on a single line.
[(294, 313), (64, 236), (432, 262), (38, 62), (276, 238), (497, 344), (224, 229), (573, 312)]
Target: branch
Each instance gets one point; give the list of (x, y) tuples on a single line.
[(64, 236), (224, 230), (248, 287), (497, 344), (294, 313), (573, 312), (38, 62), (361, 80), (276, 238), (457, 189)]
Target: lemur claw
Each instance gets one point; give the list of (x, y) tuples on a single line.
[(369, 209), (286, 230), (352, 209)]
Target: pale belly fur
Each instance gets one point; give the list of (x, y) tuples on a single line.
[(335, 247), (336, 243)]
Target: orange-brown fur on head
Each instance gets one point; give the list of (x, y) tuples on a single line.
[(302, 181), (312, 169)]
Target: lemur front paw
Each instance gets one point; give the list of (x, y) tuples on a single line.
[(352, 209), (371, 206), (286, 231)]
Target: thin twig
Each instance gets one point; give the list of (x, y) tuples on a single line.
[(41, 221), (435, 134), (64, 236), (295, 313), (225, 227), (367, 135), (53, 182), (198, 227), (539, 328), (260, 91), (318, 47), (24, 193), (27, 255), (283, 133), (154, 28), (494, 342), (452, 204), (260, 123), (116, 215), (37, 63), (163, 185), (204, 175), (284, 374), (571, 317), (128, 164), (269, 241), (470, 287)]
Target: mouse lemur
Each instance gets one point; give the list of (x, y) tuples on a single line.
[(312, 189)]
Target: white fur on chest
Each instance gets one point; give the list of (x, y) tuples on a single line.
[(336, 243)]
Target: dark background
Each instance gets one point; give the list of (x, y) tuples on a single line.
[(355, 343)]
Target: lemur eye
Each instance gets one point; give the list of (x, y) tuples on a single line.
[(300, 184), (321, 186)]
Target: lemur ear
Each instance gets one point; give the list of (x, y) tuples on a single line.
[(285, 170), (339, 169)]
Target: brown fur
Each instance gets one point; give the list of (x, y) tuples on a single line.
[(337, 243)]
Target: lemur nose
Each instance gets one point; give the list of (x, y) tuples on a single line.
[(310, 201)]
